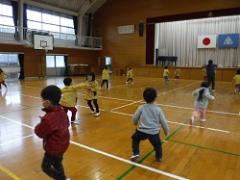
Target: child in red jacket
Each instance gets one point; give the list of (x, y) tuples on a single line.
[(53, 129)]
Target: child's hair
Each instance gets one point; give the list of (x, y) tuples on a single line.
[(67, 81), (205, 85), (51, 93), (92, 75), (1, 70), (238, 71), (149, 94), (210, 61), (105, 67), (165, 67)]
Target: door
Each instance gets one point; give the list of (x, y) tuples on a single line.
[(55, 65)]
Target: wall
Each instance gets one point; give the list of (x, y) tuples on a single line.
[(34, 60), (130, 49), (222, 74)]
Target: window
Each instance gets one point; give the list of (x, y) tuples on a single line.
[(60, 61), (55, 61), (50, 61), (61, 26), (6, 19), (9, 60)]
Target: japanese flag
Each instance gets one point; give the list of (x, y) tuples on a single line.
[(207, 41)]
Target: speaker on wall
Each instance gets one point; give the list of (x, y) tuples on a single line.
[(141, 29)]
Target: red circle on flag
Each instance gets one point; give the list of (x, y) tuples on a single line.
[(206, 41)]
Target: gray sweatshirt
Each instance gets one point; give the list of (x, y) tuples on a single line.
[(206, 96), (148, 118)]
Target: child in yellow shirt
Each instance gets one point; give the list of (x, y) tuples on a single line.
[(2, 79), (92, 93), (129, 76), (177, 73), (105, 76), (236, 78), (69, 97), (165, 75)]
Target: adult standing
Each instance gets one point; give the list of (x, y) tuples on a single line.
[(211, 73)]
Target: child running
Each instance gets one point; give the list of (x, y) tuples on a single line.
[(105, 77), (165, 75), (53, 129), (236, 78), (92, 94), (202, 95), (129, 76), (148, 118), (2, 79), (69, 97)]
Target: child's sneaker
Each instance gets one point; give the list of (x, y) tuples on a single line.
[(74, 122), (159, 159), (97, 114), (203, 120), (134, 158), (93, 112), (68, 178)]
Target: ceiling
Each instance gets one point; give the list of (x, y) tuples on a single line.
[(72, 5)]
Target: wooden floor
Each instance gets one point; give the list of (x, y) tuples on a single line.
[(101, 147)]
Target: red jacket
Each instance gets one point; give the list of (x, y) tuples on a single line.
[(53, 129)]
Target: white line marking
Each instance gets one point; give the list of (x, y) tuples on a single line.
[(16, 139), (129, 162), (174, 122), (127, 105), (111, 155), (188, 108)]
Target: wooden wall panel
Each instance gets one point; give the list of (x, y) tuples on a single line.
[(223, 74), (34, 60)]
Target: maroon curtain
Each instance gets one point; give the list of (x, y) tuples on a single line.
[(150, 32)]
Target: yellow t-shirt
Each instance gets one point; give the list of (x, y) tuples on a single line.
[(177, 72), (106, 74), (165, 73), (69, 95), (130, 73), (91, 88), (237, 78), (2, 76)]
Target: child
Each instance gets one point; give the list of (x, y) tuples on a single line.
[(202, 95), (53, 129), (2, 79), (129, 76), (92, 93), (69, 97), (236, 78), (177, 73), (148, 119), (165, 75), (105, 76)]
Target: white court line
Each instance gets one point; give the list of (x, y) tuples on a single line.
[(126, 105), (177, 88), (188, 108), (110, 155), (130, 162), (16, 139), (174, 122)]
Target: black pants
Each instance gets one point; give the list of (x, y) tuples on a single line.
[(211, 81), (103, 82), (52, 166), (89, 102), (154, 140)]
